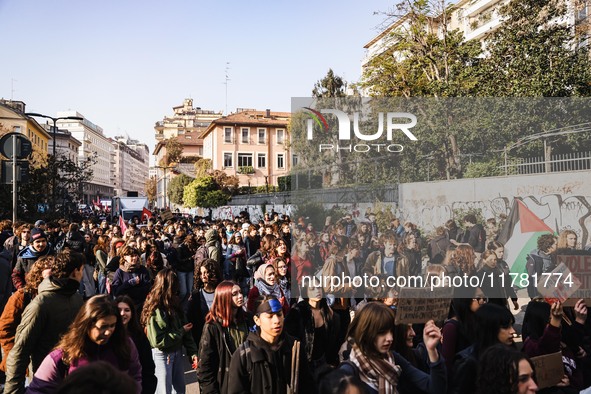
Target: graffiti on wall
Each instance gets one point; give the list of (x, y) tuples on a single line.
[(557, 211)]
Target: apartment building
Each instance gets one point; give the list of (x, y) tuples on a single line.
[(130, 166), (13, 119), (250, 144), (94, 144)]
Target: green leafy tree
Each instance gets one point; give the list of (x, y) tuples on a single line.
[(176, 188), (205, 192), (330, 86)]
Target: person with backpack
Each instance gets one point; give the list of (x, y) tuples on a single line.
[(475, 234), (270, 361)]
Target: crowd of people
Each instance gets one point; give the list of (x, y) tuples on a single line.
[(87, 300)]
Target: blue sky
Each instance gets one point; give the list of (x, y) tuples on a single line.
[(124, 64)]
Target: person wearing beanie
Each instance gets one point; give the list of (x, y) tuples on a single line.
[(39, 247)]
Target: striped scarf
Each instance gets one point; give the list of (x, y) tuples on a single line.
[(380, 374)]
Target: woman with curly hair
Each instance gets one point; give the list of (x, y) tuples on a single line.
[(96, 334), (18, 301), (503, 370), (207, 277), (464, 259), (225, 329), (168, 331)]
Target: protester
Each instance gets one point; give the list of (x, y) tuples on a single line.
[(27, 257), (502, 370), (97, 334), (46, 318), (168, 331), (265, 363), (227, 326)]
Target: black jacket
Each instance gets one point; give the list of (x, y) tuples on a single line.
[(258, 368), (215, 353)]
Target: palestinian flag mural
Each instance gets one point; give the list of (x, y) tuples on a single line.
[(520, 235)]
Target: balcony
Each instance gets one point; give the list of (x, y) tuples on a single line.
[(478, 6)]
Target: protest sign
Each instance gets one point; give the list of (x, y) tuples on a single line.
[(549, 369), (421, 305), (560, 284)]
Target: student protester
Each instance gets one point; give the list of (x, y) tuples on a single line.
[(207, 278), (499, 249), (39, 247), (131, 278), (226, 327), (540, 260), (16, 243), (543, 333), (494, 325), (266, 284), (502, 370), (168, 331), (130, 320), (13, 311), (265, 363), (101, 254), (46, 318), (380, 369), (315, 324), (459, 330), (97, 334)]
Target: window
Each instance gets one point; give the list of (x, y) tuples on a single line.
[(228, 160), (227, 135), (262, 136), (295, 159), (280, 136), (244, 159), (261, 160), (245, 135), (280, 160)]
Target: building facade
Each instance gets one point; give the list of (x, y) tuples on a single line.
[(95, 146), (13, 119), (130, 164), (186, 125), (250, 144)]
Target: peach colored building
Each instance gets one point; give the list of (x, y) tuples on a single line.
[(254, 145)]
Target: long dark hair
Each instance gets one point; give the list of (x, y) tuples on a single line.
[(537, 315), (133, 327), (498, 370), (164, 295), (74, 343), (490, 318)]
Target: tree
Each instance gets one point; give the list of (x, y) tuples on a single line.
[(151, 190), (176, 188), (174, 150), (205, 193), (330, 86)]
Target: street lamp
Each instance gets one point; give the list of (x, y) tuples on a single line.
[(165, 168), (54, 132), (54, 123)]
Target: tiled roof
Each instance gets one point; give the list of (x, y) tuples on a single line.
[(251, 118)]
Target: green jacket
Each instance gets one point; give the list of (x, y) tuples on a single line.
[(166, 333), (44, 321)]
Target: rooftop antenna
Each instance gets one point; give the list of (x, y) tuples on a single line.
[(226, 83)]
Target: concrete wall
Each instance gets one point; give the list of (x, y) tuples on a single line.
[(562, 200)]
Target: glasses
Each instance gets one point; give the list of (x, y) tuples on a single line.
[(482, 300), (109, 327), (282, 267)]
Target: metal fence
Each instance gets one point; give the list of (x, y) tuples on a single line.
[(539, 165)]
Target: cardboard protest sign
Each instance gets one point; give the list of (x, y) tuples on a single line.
[(423, 304), (166, 215), (549, 369), (560, 284), (580, 267)]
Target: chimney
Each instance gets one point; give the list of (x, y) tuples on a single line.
[(268, 113)]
